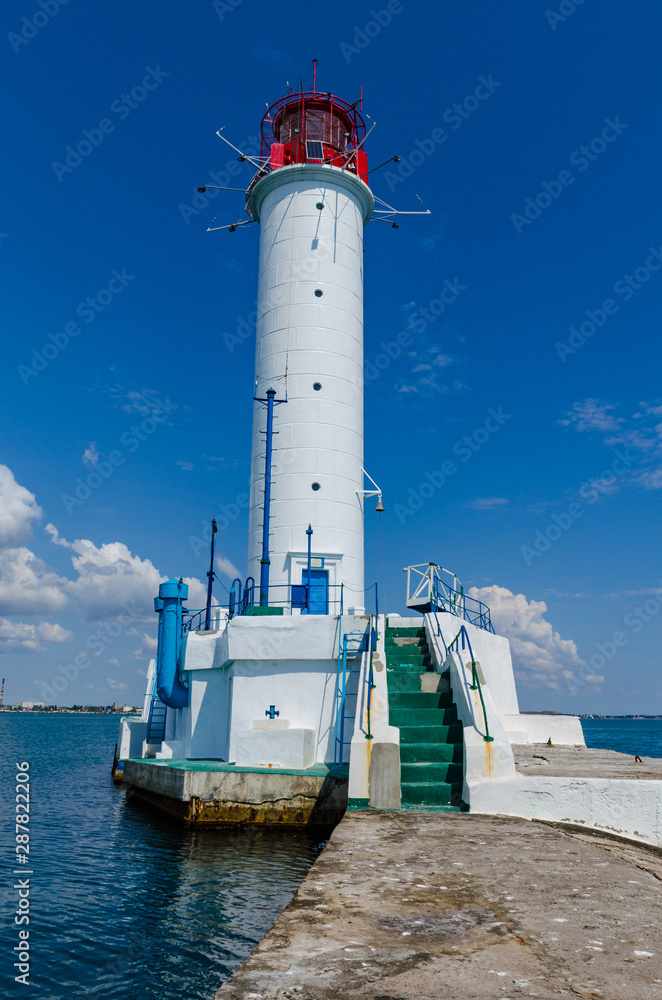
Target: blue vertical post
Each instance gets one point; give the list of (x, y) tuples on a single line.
[(265, 561), (309, 532), (210, 577)]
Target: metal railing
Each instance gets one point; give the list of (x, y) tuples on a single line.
[(353, 645), (475, 679), (371, 679), (427, 591), (196, 621)]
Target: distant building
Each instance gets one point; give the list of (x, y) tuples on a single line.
[(117, 706), (31, 704)]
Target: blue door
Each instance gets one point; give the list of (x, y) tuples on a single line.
[(319, 590)]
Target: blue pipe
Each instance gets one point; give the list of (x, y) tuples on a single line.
[(265, 560), (309, 532), (168, 604)]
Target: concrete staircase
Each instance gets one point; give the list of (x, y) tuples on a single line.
[(431, 747)]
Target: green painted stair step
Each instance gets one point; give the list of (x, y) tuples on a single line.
[(420, 699), (407, 717), (445, 771), (413, 753), (431, 793), (431, 747), (431, 734)]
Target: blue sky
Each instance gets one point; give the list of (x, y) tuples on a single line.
[(530, 131)]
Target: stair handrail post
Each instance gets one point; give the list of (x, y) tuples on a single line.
[(475, 679), (210, 576)]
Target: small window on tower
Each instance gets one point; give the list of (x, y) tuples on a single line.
[(314, 150)]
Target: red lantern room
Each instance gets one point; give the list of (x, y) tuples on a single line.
[(314, 127)]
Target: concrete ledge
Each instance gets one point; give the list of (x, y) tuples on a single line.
[(209, 793)]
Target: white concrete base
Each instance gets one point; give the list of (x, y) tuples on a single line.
[(293, 748), (131, 737), (627, 808), (562, 730), (177, 749)]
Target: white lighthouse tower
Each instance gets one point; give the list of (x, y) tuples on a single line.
[(311, 199)]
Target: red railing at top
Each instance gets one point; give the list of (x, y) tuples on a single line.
[(312, 127)]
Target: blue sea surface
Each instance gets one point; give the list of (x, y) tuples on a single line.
[(125, 903), (631, 736)]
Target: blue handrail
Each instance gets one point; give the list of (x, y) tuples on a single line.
[(353, 644), (475, 679), (456, 602)]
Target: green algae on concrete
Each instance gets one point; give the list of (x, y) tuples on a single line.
[(214, 793)]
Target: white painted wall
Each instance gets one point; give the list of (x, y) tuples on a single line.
[(562, 729), (320, 433), (493, 652), (624, 807), (382, 732), (234, 676)]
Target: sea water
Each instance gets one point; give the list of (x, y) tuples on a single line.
[(124, 902), (631, 736)]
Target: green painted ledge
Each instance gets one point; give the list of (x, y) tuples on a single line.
[(358, 803), (180, 763)]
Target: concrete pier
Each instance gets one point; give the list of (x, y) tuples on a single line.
[(434, 904), (211, 793)]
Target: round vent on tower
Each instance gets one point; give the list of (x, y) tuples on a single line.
[(316, 487), (319, 293), (317, 386)]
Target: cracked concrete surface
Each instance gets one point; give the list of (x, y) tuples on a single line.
[(423, 904)]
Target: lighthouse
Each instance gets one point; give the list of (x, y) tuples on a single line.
[(312, 201), (296, 701)]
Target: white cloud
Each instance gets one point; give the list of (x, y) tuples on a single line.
[(27, 586), (115, 685), (19, 637), (147, 650), (223, 565), (55, 536), (592, 416), (18, 509), (488, 503), (110, 575), (91, 455), (540, 656), (641, 441)]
